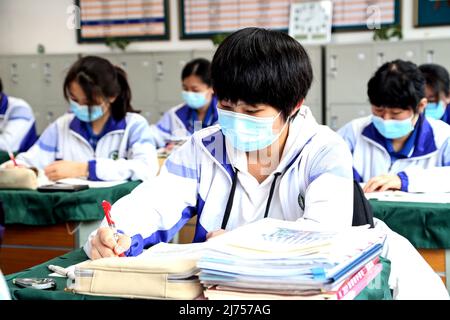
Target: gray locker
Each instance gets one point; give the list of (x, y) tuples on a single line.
[(314, 97), (139, 68), (23, 78), (54, 69), (3, 72), (349, 68), (167, 73), (388, 51), (437, 51), (207, 54)]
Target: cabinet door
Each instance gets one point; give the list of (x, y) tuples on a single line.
[(385, 52), (339, 114), (3, 73), (141, 78), (437, 51), (53, 70), (314, 96), (167, 67), (349, 68), (207, 54), (24, 79)]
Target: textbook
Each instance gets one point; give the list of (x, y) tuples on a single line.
[(280, 256)]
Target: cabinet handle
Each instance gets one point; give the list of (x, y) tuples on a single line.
[(333, 66), (430, 56), (14, 74), (380, 59), (159, 70), (47, 73)]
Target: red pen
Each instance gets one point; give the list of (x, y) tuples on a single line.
[(13, 159), (107, 210)]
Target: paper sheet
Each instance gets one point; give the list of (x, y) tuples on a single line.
[(401, 196)]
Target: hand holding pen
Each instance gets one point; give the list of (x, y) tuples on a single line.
[(107, 210)]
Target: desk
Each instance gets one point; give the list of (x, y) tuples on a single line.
[(40, 226), (425, 225), (377, 290)]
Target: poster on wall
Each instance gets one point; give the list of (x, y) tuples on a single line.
[(207, 18), (430, 13), (123, 19)]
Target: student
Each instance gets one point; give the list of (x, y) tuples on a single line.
[(437, 92), (267, 158), (102, 138), (17, 124), (198, 110), (397, 147)]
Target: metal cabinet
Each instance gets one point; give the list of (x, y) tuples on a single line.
[(314, 96), (348, 69), (437, 51), (167, 74), (207, 54), (389, 51)]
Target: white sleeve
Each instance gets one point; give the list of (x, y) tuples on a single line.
[(44, 151), (348, 134), (162, 131), (20, 122), (436, 179), (329, 195), (158, 208), (141, 163)]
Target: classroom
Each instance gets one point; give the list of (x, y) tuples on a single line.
[(224, 150)]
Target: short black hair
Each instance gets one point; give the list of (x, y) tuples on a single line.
[(262, 66), (99, 78), (397, 84), (198, 67), (1, 85), (437, 78)]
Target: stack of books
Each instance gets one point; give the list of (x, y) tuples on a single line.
[(274, 259)]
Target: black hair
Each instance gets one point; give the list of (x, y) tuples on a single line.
[(261, 66), (99, 78), (397, 84), (198, 67), (1, 86), (437, 78)]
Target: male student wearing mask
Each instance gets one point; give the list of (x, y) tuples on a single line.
[(268, 157), (397, 147)]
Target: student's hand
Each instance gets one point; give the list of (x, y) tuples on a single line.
[(213, 234), (66, 169), (10, 165), (103, 245), (383, 183)]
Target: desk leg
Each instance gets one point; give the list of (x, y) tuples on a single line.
[(447, 269), (84, 231)]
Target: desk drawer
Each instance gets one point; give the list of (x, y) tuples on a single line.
[(50, 236), (18, 259)]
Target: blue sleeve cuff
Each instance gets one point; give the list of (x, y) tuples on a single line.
[(356, 176), (404, 179), (92, 165), (137, 246)]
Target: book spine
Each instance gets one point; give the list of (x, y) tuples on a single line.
[(354, 280), (362, 283)]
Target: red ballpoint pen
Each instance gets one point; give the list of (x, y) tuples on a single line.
[(107, 210)]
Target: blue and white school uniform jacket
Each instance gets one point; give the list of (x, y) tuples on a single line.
[(125, 151), (446, 116), (17, 124), (425, 169), (313, 181), (181, 122)]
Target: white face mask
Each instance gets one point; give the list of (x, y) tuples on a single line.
[(248, 133)]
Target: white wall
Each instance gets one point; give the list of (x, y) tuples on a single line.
[(26, 23)]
